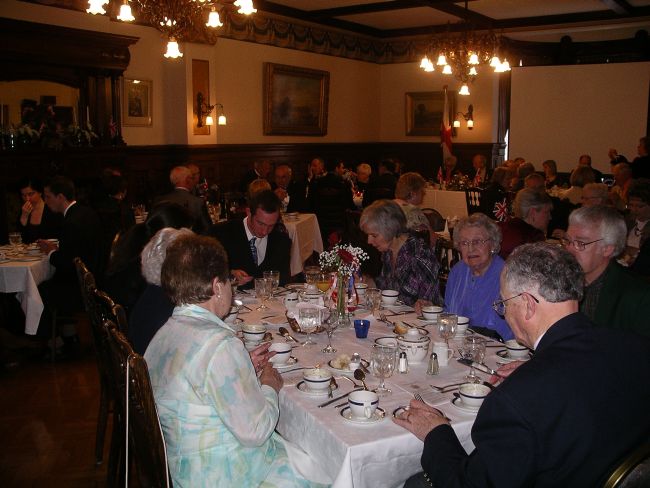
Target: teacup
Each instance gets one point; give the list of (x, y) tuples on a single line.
[(389, 297), (461, 325), (363, 403), (282, 352), (516, 350), (232, 315), (473, 394), (431, 312), (386, 341), (361, 289), (253, 332), (443, 353), (416, 349), (317, 379), (291, 300)]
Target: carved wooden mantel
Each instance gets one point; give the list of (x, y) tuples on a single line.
[(91, 61)]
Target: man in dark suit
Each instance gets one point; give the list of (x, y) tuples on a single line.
[(260, 230), (585, 160), (183, 181), (82, 236), (260, 171), (564, 418), (289, 191)]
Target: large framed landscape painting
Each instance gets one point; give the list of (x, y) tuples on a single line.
[(295, 100), (424, 112)]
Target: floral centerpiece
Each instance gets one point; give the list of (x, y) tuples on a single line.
[(344, 260)]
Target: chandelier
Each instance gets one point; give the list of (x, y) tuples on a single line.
[(462, 55), (176, 19)]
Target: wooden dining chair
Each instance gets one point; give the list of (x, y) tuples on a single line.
[(633, 471), (145, 444), (436, 221)]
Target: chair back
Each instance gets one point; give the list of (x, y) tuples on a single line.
[(633, 471), (436, 221), (109, 310), (473, 198), (146, 444)]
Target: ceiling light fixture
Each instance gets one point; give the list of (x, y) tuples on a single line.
[(178, 20), (462, 55)]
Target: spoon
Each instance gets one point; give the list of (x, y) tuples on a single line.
[(268, 337), (361, 376), (332, 386), (285, 333)]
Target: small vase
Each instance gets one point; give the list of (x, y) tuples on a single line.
[(342, 286)]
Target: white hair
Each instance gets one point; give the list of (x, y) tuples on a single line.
[(154, 252)]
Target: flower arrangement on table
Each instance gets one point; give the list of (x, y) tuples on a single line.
[(344, 260)]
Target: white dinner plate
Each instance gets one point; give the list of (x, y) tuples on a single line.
[(458, 403), (292, 361), (309, 392), (377, 416)]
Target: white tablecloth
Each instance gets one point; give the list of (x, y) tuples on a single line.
[(23, 279), (448, 203), (382, 454), (305, 239)]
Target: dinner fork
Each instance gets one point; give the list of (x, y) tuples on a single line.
[(418, 397)]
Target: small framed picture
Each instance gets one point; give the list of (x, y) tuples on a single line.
[(137, 102)]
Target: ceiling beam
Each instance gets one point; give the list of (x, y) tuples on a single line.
[(452, 9), (619, 6)]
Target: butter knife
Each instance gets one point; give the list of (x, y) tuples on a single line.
[(481, 367), (329, 402)]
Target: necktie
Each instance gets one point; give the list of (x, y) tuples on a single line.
[(251, 243)]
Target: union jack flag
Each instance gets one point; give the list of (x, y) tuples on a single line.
[(501, 210)]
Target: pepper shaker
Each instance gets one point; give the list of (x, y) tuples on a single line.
[(403, 365), (355, 361), (433, 369)]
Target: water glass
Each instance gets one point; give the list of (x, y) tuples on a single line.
[(383, 361), (312, 274), (447, 324), (274, 277), (15, 239), (474, 349), (331, 324), (309, 320), (262, 291), (373, 299)]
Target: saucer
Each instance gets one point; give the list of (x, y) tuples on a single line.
[(505, 359), (295, 286), (308, 391), (275, 320), (364, 363), (290, 362), (377, 416), (458, 403)]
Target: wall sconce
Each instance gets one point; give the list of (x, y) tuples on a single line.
[(469, 117), (203, 109)]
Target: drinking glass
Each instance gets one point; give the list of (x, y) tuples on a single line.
[(274, 277), (373, 299), (382, 362), (309, 319), (311, 275), (447, 324), (331, 324), (324, 281), (262, 291), (15, 239), (474, 349)]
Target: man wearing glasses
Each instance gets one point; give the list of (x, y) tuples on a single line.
[(613, 296), (567, 416)]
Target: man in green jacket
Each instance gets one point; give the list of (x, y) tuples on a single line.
[(614, 297)]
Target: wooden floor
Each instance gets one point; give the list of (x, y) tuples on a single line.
[(48, 415)]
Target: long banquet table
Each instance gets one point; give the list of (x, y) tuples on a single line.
[(352, 455), (448, 203), (22, 277)]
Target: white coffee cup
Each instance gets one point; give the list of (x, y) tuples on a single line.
[(443, 352), (291, 300), (389, 297), (282, 352), (361, 289), (363, 403), (253, 332), (431, 312), (461, 325)]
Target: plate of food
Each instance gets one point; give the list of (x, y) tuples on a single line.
[(341, 364)]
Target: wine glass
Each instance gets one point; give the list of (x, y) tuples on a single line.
[(373, 299), (262, 291), (309, 319), (324, 281), (331, 324), (382, 362), (274, 277), (447, 324), (15, 239), (474, 349), (311, 276)]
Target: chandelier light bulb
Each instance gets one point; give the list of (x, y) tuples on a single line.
[(506, 65), (96, 7), (446, 70), (245, 7), (424, 62), (473, 58), (125, 13), (429, 67), (495, 62), (221, 120), (472, 71), (464, 90), (442, 60), (213, 19), (172, 50)]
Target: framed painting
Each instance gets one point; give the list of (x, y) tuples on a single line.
[(295, 100), (137, 102), (424, 112)]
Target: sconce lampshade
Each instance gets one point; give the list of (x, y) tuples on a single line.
[(221, 120), (208, 120), (470, 124), (457, 123)]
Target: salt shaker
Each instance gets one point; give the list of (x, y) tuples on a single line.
[(433, 369), (403, 365), (355, 361)]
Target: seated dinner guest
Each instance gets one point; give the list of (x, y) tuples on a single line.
[(257, 243), (564, 418), (218, 419), (153, 307), (183, 181), (290, 192), (532, 214), (408, 264), (36, 221), (473, 282)]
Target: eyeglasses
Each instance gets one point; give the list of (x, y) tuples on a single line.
[(474, 242), (577, 245), (500, 305)]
